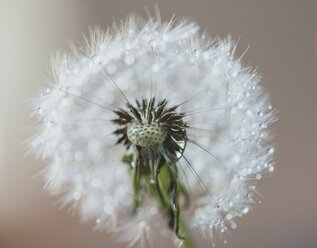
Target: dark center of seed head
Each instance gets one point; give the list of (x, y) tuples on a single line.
[(149, 125)]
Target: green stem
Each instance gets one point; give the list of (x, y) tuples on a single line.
[(165, 179), (160, 190)]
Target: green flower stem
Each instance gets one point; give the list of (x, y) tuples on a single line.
[(161, 191), (164, 179)]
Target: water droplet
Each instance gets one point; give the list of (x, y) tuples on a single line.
[(155, 67), (245, 210), (179, 243), (258, 176), (225, 242), (249, 112), (39, 110), (142, 224), (165, 37), (96, 59), (236, 158), (76, 195), (229, 216), (240, 105), (98, 221), (271, 168), (206, 56), (270, 150), (129, 60), (262, 125), (153, 210), (127, 46), (252, 187), (233, 225), (152, 43)]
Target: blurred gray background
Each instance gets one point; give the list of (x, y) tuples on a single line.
[(282, 35)]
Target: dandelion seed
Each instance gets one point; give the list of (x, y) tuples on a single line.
[(150, 120)]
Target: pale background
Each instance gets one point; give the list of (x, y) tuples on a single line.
[(282, 35)]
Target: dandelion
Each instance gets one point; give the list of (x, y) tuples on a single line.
[(154, 130)]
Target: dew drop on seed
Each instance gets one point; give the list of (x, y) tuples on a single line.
[(39, 110), (229, 216), (249, 112), (129, 60), (127, 46), (236, 159), (96, 59), (271, 168), (270, 150), (233, 225), (76, 195), (245, 210), (155, 67), (179, 243), (152, 43), (258, 176), (153, 210), (252, 187), (142, 224)]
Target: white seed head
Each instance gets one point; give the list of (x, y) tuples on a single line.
[(227, 113)]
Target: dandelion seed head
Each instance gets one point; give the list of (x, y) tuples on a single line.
[(215, 114)]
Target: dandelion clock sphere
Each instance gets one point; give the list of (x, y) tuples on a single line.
[(154, 130)]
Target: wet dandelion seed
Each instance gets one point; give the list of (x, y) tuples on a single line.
[(149, 120)]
